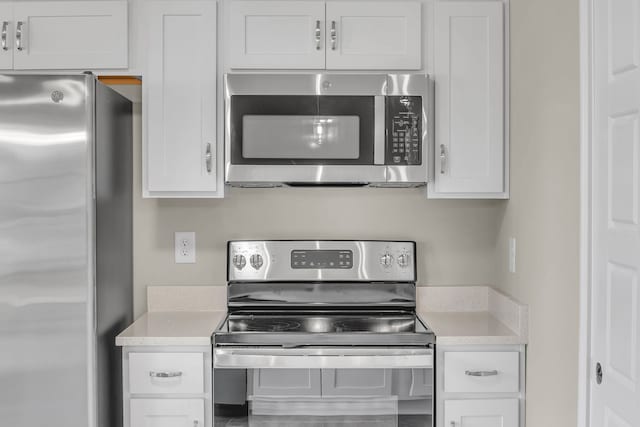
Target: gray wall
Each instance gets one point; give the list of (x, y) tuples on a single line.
[(543, 213), (456, 239)]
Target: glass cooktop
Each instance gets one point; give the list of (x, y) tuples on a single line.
[(322, 329)]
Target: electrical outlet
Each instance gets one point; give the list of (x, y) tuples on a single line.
[(512, 254), (185, 247)]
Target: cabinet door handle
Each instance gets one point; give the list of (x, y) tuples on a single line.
[(5, 25), (195, 423), (318, 35), (175, 374), (453, 424), (481, 373), (19, 41), (208, 157), (443, 158), (334, 36)]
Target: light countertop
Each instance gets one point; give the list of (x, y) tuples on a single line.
[(472, 315), (172, 328), (178, 315)]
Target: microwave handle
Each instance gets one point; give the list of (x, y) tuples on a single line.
[(380, 131)]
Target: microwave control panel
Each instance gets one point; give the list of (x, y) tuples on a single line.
[(404, 130)]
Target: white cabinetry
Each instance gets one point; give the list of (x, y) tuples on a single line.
[(333, 35), (277, 34), (6, 36), (470, 152), (481, 413), (64, 35), (179, 100), (167, 412), (167, 386), (373, 35), (480, 386)]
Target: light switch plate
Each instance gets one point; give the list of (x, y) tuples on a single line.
[(185, 247)]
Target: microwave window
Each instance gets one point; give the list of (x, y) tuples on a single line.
[(300, 137)]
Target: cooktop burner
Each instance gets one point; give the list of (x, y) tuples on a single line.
[(322, 328)]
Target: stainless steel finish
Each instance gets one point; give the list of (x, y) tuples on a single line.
[(19, 35), (56, 258), (277, 267), (175, 374), (208, 157), (304, 84), (443, 158), (256, 261), (481, 373), (323, 358), (318, 35), (239, 261), (375, 85), (379, 131), (404, 260), (598, 373), (334, 36), (3, 36), (322, 295)]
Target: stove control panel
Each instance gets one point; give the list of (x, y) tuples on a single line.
[(321, 260)]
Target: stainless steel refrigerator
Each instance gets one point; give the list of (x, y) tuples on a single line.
[(65, 249)]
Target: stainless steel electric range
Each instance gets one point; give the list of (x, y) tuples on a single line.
[(323, 333)]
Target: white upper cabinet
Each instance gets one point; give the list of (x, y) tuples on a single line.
[(373, 35), (469, 77), (179, 100), (6, 36), (277, 34), (66, 35), (317, 35)]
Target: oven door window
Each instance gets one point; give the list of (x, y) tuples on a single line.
[(294, 397), (297, 129)]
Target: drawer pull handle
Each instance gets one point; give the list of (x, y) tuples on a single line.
[(481, 373), (165, 374)]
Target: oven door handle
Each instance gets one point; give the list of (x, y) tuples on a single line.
[(319, 358)]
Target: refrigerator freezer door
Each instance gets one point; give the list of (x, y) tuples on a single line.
[(46, 267)]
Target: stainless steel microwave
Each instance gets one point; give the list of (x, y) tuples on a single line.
[(328, 129)]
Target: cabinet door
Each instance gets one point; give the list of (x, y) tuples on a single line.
[(68, 35), (285, 382), (373, 35), (179, 92), (6, 36), (481, 413), (469, 76), (356, 382), (167, 412), (277, 34)]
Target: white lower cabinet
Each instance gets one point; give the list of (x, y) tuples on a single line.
[(480, 386), (481, 413), (168, 386), (356, 382), (285, 382), (167, 412)]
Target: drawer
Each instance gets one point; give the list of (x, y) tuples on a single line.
[(481, 372), (153, 373)]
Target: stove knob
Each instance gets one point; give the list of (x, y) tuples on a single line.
[(239, 261), (386, 260), (256, 261), (403, 260)]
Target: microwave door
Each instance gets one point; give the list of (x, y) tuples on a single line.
[(302, 139)]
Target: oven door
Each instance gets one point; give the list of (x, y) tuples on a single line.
[(322, 387), (304, 129)]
